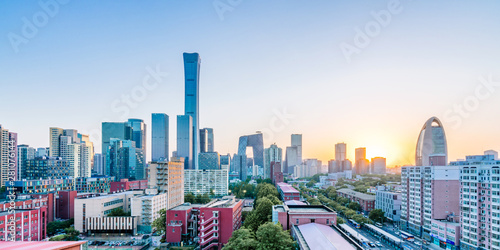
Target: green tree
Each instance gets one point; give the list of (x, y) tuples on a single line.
[(189, 197), (160, 223), (354, 206), (118, 212), (205, 199), (242, 238), (260, 215), (71, 234), (310, 183), (377, 215), (272, 236), (349, 213), (340, 221), (54, 226), (265, 189)]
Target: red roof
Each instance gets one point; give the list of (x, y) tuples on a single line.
[(37, 245), (287, 188)]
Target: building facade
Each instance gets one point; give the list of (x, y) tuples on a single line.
[(159, 137), (287, 192), (428, 192), (168, 177), (96, 184), (209, 160), (205, 181), (271, 154), (125, 185), (390, 203), (296, 215), (46, 168), (367, 201)]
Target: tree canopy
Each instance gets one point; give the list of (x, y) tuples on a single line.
[(160, 223)]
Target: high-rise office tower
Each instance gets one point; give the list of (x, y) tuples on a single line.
[(24, 153), (378, 165), (192, 83), (99, 164), (225, 162), (185, 140), (206, 140), (431, 143), (8, 156), (209, 160), (124, 160), (203, 140), (361, 164), (139, 137), (41, 152), (256, 141), (340, 151), (297, 142), (271, 154), (292, 159), (73, 147), (54, 134), (159, 137), (116, 130)]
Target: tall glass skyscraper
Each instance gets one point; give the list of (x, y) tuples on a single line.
[(138, 133), (192, 77), (206, 140), (185, 140), (117, 130), (159, 135)]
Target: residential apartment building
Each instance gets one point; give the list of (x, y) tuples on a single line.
[(96, 184), (479, 202), (27, 224), (125, 185), (428, 193), (390, 203), (287, 192), (147, 207), (204, 181), (168, 177)]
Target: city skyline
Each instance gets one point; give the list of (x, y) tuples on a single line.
[(379, 100)]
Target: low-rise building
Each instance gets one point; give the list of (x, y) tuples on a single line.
[(23, 224), (390, 203), (91, 210), (287, 192), (318, 236), (147, 207), (96, 184), (367, 201), (41, 186), (126, 185), (212, 223), (445, 234), (294, 215)]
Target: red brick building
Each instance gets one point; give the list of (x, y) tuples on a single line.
[(290, 215), (125, 184), (29, 224), (213, 223), (287, 192), (366, 201)]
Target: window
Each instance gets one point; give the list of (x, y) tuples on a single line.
[(173, 230), (313, 220), (175, 215), (327, 221), (297, 221)]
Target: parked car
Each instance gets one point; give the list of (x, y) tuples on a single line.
[(418, 243), (378, 244)]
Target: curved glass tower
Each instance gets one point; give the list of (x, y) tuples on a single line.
[(431, 144)]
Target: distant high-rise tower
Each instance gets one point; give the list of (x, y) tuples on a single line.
[(8, 156), (361, 164), (206, 140), (24, 153), (185, 140), (192, 88), (116, 130), (378, 165), (159, 135), (431, 143), (340, 151), (297, 142), (139, 136), (271, 154), (99, 164)]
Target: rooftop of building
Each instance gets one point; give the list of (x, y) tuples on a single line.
[(287, 188), (111, 195), (317, 236), (294, 202), (359, 195), (308, 209), (224, 202)]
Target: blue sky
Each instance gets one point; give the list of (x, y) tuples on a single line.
[(261, 57)]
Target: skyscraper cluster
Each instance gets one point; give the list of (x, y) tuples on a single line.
[(73, 147)]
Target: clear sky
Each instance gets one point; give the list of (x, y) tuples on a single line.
[(70, 64)]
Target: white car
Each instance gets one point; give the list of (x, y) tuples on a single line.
[(418, 243)]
